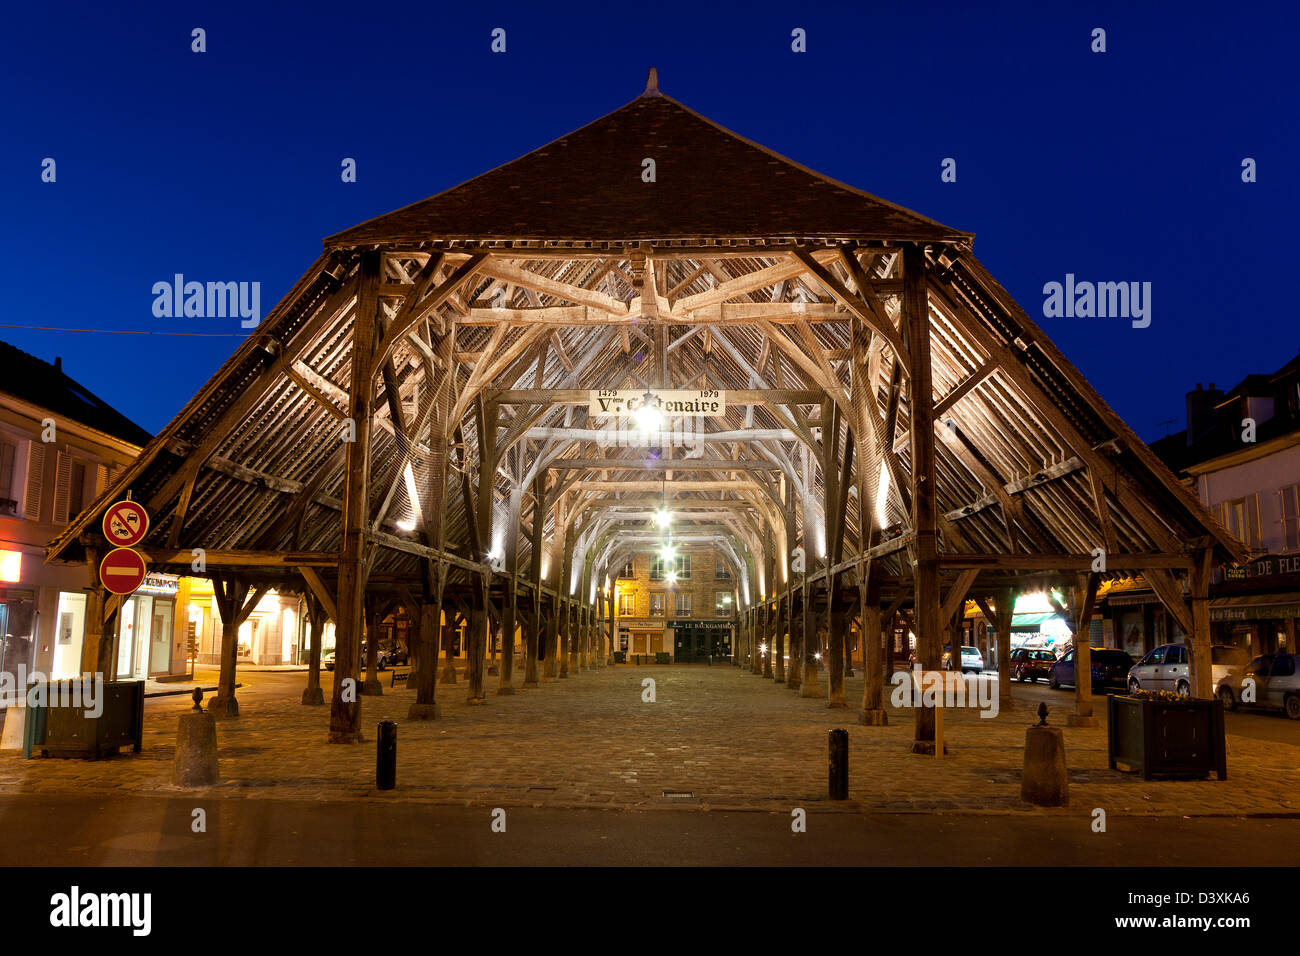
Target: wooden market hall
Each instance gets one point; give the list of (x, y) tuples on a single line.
[(467, 404)]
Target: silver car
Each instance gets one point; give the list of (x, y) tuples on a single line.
[(1276, 685), (1166, 668)]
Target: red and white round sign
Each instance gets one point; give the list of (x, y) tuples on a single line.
[(125, 524), (122, 570)]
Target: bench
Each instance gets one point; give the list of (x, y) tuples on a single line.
[(396, 677)]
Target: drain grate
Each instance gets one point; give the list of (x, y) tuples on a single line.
[(678, 795)]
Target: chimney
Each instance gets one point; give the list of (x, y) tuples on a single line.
[(58, 364), (1200, 412)]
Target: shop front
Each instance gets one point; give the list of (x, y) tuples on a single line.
[(146, 631), (701, 641)]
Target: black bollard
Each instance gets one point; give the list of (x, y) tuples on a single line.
[(386, 756), (839, 764)]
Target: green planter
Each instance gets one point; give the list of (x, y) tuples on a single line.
[(663, 657), (620, 657), (70, 732), (1166, 739)]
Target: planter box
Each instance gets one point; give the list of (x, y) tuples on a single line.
[(620, 657), (1164, 739), (69, 732), (663, 657)]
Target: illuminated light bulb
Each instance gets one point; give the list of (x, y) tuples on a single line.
[(672, 577), (663, 517), (648, 417), (668, 552)]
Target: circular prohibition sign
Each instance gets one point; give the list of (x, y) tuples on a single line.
[(122, 570), (126, 523)]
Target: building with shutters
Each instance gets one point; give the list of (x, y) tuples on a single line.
[(685, 610), (60, 447)]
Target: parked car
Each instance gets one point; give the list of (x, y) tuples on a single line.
[(971, 660), (1029, 664), (1167, 668), (1277, 684), (327, 659), (1110, 667)]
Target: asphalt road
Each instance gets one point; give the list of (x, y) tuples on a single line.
[(99, 830)]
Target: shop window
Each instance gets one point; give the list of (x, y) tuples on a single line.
[(657, 604), (683, 603)]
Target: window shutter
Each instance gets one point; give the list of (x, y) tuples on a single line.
[(101, 479), (62, 486), (1252, 519), (35, 480)]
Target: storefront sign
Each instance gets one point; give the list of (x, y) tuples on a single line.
[(164, 584), (122, 570), (1263, 568), (671, 402), (1256, 612), (125, 524)]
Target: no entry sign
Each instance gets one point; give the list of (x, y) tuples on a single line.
[(122, 570), (125, 524)]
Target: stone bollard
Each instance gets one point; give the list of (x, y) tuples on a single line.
[(196, 747), (1045, 782)]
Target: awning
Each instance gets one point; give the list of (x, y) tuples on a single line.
[(1256, 607), (1030, 621)]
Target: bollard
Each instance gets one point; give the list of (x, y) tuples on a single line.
[(839, 764), (1045, 781), (386, 756), (195, 763)]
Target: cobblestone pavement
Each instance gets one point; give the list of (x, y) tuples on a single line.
[(730, 739)]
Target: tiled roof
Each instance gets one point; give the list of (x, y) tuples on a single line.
[(38, 382), (709, 182)]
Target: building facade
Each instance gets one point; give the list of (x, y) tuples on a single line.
[(59, 448), (686, 609)]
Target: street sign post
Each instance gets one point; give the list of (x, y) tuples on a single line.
[(125, 524), (122, 570)]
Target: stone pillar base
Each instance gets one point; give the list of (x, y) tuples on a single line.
[(448, 676), (837, 705), (346, 737), (195, 764), (1045, 782), (1081, 720), (530, 684), (424, 712), (313, 695), (811, 688), (372, 688), (475, 700), (778, 680), (221, 707), (875, 717), (505, 690), (925, 747), (493, 671)]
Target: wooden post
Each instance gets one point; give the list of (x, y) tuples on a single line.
[(925, 515), (1200, 669), (873, 689), (345, 706), (372, 612), (312, 694), (426, 706), (1082, 602)]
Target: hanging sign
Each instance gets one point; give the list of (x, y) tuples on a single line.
[(672, 402), (125, 524), (122, 570)]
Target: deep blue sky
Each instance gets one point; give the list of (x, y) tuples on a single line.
[(225, 165)]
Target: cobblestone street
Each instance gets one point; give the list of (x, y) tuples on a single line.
[(729, 739)]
